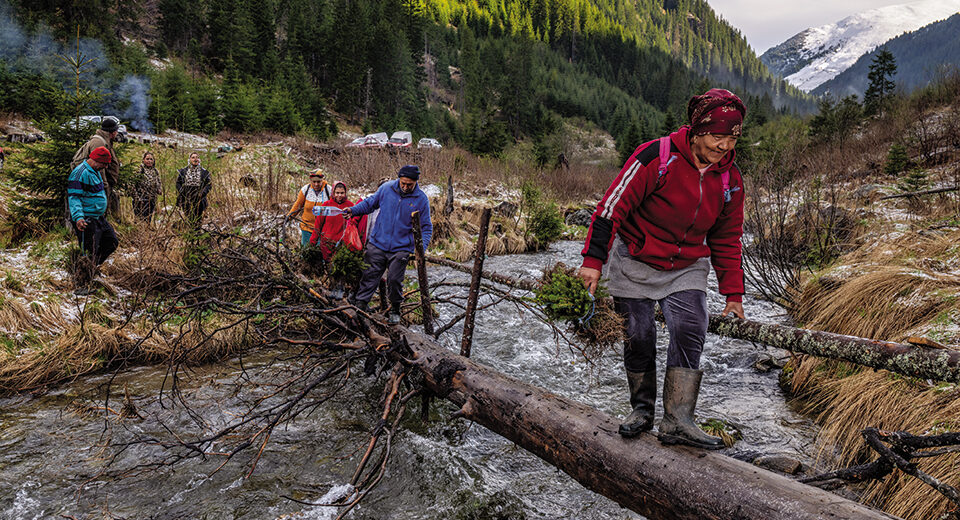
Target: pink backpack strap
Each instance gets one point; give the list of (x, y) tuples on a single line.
[(727, 190), (665, 159)]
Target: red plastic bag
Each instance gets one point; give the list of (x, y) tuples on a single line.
[(351, 237)]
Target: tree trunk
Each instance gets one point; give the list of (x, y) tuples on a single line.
[(481, 252), (640, 474), (908, 360), (422, 274), (903, 359)]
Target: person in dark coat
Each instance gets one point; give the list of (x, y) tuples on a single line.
[(106, 136), (675, 209), (193, 185), (146, 189)]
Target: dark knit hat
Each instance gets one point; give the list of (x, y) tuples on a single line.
[(101, 155), (109, 124), (410, 171)]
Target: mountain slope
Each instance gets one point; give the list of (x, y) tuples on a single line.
[(919, 56), (816, 55)]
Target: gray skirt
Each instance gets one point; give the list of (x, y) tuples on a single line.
[(631, 278)]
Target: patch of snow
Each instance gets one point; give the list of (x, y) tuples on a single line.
[(837, 46), (432, 190)]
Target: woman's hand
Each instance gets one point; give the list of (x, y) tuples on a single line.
[(590, 277), (736, 308)]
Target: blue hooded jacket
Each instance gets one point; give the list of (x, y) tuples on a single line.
[(393, 231)]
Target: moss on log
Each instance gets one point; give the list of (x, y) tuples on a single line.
[(903, 359)]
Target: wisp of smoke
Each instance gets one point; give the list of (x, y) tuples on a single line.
[(39, 53)]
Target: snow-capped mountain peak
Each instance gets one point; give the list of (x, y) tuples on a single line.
[(816, 55)]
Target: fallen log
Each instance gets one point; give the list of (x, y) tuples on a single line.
[(527, 285), (903, 359), (900, 358), (923, 192), (640, 474)]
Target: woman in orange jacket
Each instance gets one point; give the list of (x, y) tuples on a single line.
[(313, 194)]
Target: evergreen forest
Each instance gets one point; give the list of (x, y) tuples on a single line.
[(480, 73)]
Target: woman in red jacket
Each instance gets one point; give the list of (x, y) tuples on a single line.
[(328, 229), (675, 209)]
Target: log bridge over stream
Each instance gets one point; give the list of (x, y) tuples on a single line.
[(641, 474)]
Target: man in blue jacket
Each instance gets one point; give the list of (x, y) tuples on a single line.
[(391, 239), (87, 201)]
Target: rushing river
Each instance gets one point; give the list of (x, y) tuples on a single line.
[(49, 452)]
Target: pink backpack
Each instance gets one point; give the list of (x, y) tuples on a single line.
[(666, 159)]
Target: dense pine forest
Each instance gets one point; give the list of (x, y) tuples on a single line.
[(482, 74)]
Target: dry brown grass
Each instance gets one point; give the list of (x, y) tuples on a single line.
[(846, 399), (901, 287), (94, 347), (888, 291)]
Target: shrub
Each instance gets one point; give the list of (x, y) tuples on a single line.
[(897, 160), (347, 265), (544, 219)]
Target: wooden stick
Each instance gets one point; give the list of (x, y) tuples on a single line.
[(917, 193), (422, 275), (481, 251)]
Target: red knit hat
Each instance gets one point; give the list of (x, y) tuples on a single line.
[(101, 155)]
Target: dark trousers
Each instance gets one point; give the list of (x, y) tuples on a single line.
[(143, 207), (98, 239), (379, 261), (686, 315)]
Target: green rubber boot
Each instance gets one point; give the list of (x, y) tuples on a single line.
[(681, 387)]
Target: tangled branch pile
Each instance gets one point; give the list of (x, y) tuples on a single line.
[(591, 318)]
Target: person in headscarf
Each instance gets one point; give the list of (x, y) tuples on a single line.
[(193, 185), (675, 208), (313, 194), (146, 189), (328, 229)]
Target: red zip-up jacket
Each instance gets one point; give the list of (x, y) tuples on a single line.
[(672, 225)]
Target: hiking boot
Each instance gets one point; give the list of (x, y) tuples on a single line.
[(643, 397), (336, 294), (360, 305), (681, 387), (393, 318)]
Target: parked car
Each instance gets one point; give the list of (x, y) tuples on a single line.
[(401, 139), (357, 143), (428, 143), (94, 122), (377, 140)]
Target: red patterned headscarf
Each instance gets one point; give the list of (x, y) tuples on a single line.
[(718, 111)]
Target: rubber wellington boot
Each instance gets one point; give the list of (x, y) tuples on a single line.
[(681, 387), (643, 398), (393, 318)]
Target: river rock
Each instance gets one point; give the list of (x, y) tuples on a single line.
[(866, 192), (581, 217), (779, 463), (506, 209)]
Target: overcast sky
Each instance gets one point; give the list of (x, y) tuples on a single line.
[(766, 23)]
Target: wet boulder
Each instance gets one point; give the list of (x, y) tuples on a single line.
[(580, 217), (780, 463), (505, 209)]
